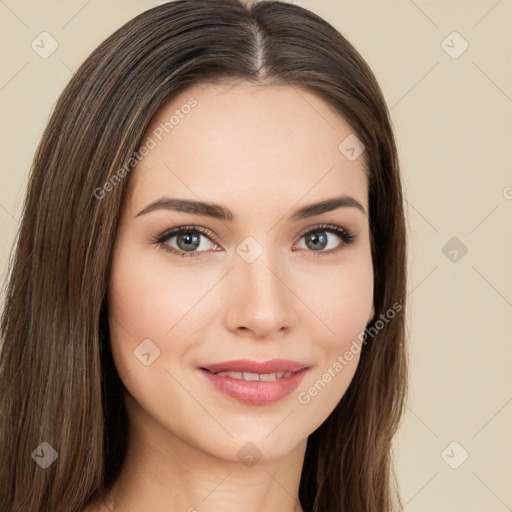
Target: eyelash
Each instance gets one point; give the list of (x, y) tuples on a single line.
[(348, 238)]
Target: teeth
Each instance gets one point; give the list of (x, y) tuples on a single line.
[(268, 376), (248, 376), (233, 375)]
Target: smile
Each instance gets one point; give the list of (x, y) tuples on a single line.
[(253, 382), (247, 376)]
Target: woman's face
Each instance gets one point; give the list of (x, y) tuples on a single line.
[(263, 282)]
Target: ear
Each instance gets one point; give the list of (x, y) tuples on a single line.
[(372, 314)]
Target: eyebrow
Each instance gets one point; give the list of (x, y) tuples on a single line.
[(222, 213)]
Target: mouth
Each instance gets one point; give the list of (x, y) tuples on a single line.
[(277, 366), (253, 382), (249, 376)]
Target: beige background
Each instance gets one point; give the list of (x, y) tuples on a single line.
[(453, 123)]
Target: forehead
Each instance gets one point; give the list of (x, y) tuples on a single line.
[(241, 144)]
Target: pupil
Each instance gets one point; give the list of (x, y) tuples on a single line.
[(317, 239), (189, 240)]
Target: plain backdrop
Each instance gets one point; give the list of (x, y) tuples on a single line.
[(445, 70)]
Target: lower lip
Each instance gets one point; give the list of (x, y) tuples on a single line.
[(256, 392)]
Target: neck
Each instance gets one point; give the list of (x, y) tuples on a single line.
[(162, 472)]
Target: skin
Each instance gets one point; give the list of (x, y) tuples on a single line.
[(263, 152)]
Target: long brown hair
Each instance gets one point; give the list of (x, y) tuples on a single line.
[(58, 382)]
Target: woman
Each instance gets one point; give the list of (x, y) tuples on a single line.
[(206, 304)]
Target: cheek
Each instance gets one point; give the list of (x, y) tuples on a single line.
[(148, 300), (339, 298), (351, 301), (341, 301), (145, 303)]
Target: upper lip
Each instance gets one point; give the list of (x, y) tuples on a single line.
[(246, 365)]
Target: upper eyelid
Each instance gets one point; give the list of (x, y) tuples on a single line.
[(323, 225), (172, 232)]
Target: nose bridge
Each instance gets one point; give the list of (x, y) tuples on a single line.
[(260, 301)]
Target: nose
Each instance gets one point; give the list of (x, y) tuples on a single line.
[(258, 299)]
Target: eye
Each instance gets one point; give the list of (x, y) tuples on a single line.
[(188, 241), (318, 239), (185, 241)]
